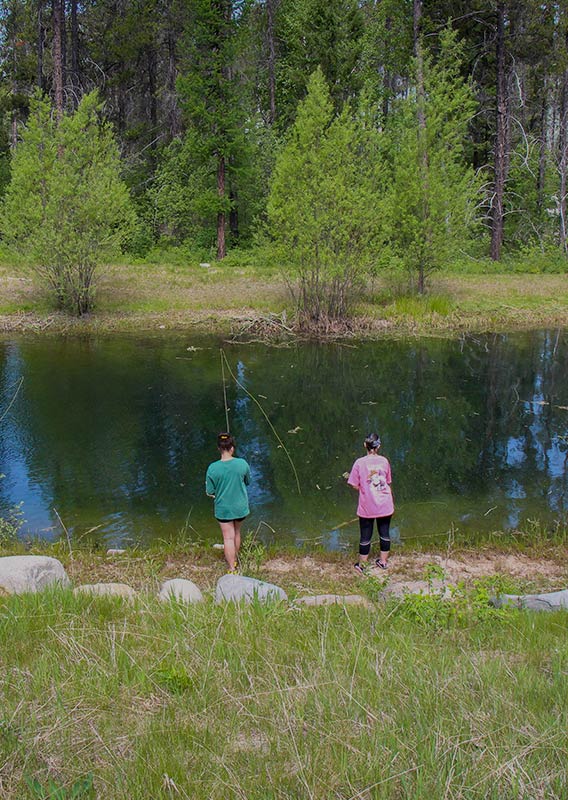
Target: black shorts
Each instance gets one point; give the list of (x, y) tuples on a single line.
[(240, 519)]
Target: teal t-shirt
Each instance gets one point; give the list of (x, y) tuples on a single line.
[(228, 480)]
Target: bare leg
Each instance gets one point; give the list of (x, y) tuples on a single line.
[(237, 524), (228, 531)]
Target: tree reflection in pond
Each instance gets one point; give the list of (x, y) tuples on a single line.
[(118, 431)]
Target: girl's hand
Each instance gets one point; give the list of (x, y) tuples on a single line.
[(345, 475)]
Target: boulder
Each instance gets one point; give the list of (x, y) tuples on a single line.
[(238, 587), (106, 589), (550, 601), (334, 600), (19, 574), (182, 590)]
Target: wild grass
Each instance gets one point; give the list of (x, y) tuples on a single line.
[(164, 701), (172, 288), (419, 308)]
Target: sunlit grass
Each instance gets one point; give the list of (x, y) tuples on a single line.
[(419, 307), (268, 702), (172, 285)]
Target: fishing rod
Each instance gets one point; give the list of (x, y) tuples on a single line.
[(225, 363)]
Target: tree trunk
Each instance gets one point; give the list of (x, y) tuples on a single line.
[(542, 147), (221, 246), (173, 114), (388, 78), (75, 51), (63, 44), (270, 8), (14, 130), (152, 66), (501, 140), (234, 218), (40, 44), (423, 165), (419, 56), (57, 53), (563, 160)]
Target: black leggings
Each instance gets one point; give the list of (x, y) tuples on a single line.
[(366, 528)]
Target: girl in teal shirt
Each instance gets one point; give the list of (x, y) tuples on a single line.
[(226, 482)]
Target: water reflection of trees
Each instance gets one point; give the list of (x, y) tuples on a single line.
[(127, 427)]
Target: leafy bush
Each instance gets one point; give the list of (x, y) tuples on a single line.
[(66, 208)]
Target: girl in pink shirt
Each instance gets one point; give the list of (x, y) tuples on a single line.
[(371, 476)]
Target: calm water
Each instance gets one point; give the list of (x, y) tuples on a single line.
[(115, 433)]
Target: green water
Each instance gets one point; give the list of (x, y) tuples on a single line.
[(116, 433)]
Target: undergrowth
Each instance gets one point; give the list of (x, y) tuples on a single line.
[(411, 700)]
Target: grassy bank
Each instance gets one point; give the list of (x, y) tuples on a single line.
[(224, 296), (416, 698), (514, 561), (107, 699)]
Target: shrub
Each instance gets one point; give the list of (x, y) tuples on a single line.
[(66, 208)]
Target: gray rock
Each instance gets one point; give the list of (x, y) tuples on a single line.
[(106, 589), (115, 551), (19, 574), (182, 590), (334, 599), (550, 601), (237, 587)]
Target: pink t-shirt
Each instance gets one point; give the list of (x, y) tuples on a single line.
[(371, 475)]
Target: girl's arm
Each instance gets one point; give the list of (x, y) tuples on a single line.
[(209, 486)]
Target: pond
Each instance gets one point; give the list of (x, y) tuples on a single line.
[(111, 436)]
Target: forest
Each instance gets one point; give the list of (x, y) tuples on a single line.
[(343, 136)]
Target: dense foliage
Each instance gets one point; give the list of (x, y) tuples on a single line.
[(66, 206), (469, 101)]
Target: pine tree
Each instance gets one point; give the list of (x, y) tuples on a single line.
[(431, 192), (317, 33), (66, 207), (324, 206), (214, 107)]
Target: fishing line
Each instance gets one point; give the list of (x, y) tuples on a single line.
[(13, 400), (264, 414), (221, 353)]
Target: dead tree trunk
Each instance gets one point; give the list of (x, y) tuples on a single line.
[(563, 160), (501, 140), (542, 147), (57, 53)]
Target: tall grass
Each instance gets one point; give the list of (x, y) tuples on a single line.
[(163, 701)]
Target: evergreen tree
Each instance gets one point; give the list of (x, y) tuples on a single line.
[(324, 205), (215, 109), (431, 189), (317, 33), (66, 207), (387, 50)]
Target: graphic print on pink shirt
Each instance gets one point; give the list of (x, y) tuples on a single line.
[(371, 475)]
